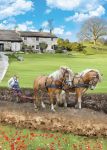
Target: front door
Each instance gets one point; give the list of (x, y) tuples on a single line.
[(1, 47)]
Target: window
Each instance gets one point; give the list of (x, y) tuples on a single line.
[(25, 38), (37, 38), (52, 47), (51, 39), (37, 46)]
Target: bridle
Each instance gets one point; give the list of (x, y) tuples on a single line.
[(63, 82), (94, 81)]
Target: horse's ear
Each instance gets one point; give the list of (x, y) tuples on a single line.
[(63, 68)]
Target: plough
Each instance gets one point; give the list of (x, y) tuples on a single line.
[(20, 97)]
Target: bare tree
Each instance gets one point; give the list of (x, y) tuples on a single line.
[(93, 29)]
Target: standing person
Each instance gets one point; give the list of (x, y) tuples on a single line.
[(13, 83)]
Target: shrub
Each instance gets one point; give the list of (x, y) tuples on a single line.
[(59, 49), (43, 46), (77, 47)]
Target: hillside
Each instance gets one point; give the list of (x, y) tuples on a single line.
[(91, 49)]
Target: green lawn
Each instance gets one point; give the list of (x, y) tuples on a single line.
[(43, 64), (24, 139)]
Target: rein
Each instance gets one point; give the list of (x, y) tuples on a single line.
[(54, 86), (64, 83), (79, 85)]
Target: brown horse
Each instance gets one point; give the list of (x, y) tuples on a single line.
[(54, 84), (87, 79)]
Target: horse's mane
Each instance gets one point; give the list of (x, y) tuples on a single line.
[(58, 73), (88, 70)]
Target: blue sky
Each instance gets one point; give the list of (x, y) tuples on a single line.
[(67, 15)]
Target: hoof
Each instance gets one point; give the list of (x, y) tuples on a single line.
[(76, 106), (43, 106), (17, 100), (36, 109), (65, 105), (53, 110)]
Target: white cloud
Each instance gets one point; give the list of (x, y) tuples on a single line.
[(68, 33), (98, 12), (29, 22), (78, 17), (45, 24), (9, 8), (48, 11), (59, 30), (26, 26), (83, 9), (81, 5), (3, 25), (63, 4)]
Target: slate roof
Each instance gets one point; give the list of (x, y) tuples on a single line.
[(36, 34), (9, 35)]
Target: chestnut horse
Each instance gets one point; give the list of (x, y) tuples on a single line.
[(87, 79), (54, 84)]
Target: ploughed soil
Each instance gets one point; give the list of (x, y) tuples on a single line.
[(91, 120)]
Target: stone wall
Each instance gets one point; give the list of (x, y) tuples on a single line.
[(31, 41), (11, 46)]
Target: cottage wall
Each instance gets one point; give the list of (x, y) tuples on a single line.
[(34, 42), (12, 46), (15, 46), (7, 45)]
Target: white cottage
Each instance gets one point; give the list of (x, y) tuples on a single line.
[(10, 41), (33, 39)]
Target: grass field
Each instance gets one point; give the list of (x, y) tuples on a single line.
[(43, 64), (24, 139)]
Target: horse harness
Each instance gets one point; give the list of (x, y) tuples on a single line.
[(53, 85), (78, 85), (84, 85)]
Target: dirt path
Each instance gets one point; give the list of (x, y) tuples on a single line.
[(81, 122), (3, 65)]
